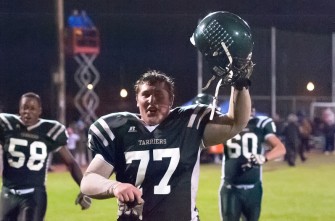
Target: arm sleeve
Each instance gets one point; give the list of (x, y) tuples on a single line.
[(96, 183)]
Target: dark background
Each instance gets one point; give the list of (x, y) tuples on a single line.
[(138, 35)]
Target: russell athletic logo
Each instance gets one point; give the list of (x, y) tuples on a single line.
[(132, 129)]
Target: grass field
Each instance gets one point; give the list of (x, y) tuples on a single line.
[(303, 193)]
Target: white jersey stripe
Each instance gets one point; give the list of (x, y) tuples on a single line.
[(60, 130), (202, 116), (192, 119), (53, 129), (266, 122), (106, 128), (6, 122), (193, 116), (97, 132), (194, 187), (262, 119)]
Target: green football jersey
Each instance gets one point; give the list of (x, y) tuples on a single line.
[(162, 161), (238, 150), (26, 150)]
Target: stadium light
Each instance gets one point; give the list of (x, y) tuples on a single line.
[(310, 86), (123, 93), (90, 86)]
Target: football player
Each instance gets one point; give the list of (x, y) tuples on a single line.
[(155, 154), (241, 184), (27, 141)]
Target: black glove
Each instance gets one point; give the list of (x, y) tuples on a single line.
[(84, 201), (255, 160), (131, 211)]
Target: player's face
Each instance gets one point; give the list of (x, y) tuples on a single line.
[(30, 111), (154, 103)]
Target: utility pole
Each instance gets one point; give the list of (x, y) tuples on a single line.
[(333, 67), (60, 75), (273, 72)]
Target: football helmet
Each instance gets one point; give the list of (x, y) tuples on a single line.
[(203, 99), (225, 41)]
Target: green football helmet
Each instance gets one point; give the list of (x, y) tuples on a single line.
[(203, 99), (225, 41)]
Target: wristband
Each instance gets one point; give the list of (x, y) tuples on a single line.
[(242, 83)]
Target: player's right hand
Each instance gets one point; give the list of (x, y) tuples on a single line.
[(126, 192), (131, 211), (255, 160)]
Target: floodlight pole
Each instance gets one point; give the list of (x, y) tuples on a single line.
[(273, 71), (61, 87), (333, 67)]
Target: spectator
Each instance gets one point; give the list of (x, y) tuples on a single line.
[(72, 141), (305, 130), (292, 138), (318, 136), (328, 118), (82, 154)]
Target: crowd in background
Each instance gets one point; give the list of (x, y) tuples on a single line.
[(301, 134)]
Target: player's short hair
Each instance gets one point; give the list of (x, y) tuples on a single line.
[(152, 77), (32, 95)]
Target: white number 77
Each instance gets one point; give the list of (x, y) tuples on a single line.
[(158, 155)]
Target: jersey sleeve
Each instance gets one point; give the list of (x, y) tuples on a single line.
[(7, 123), (269, 127), (55, 131), (101, 138)]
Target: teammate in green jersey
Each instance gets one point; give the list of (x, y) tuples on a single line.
[(27, 141), (244, 154)]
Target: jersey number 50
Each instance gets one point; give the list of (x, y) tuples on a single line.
[(239, 145)]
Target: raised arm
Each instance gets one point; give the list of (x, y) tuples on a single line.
[(224, 127)]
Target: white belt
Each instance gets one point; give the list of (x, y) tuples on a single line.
[(245, 187), (22, 191)]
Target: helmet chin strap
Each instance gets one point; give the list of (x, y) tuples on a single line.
[(215, 99)]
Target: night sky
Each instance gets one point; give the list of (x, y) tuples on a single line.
[(140, 35)]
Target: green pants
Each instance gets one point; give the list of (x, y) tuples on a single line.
[(236, 201)]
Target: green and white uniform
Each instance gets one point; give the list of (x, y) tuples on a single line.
[(25, 155), (241, 190), (163, 160)]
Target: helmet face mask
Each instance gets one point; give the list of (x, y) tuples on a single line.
[(225, 41)]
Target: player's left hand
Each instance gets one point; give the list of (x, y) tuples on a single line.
[(255, 160), (84, 201)]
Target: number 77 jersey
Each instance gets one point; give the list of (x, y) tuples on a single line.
[(26, 149), (162, 161)]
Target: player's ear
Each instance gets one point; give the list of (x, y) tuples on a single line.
[(171, 101)]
